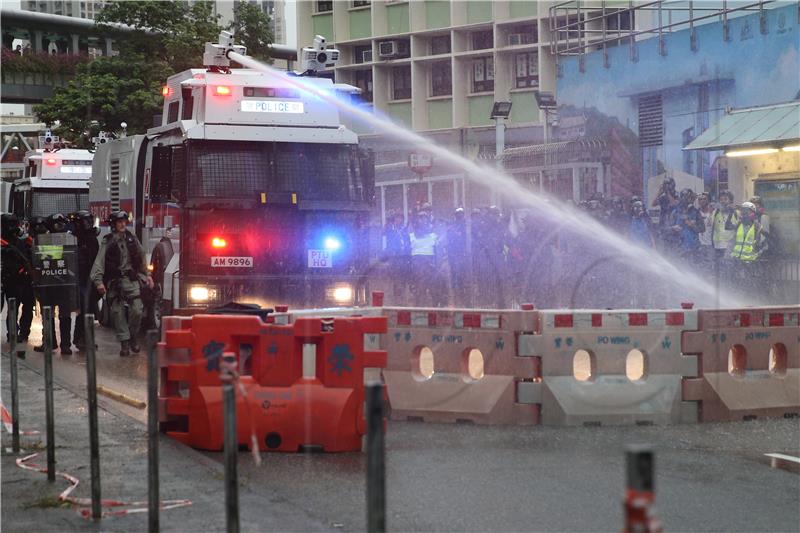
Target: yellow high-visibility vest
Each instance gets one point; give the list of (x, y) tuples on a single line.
[(745, 247)]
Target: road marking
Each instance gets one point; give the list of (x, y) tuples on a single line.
[(784, 457)]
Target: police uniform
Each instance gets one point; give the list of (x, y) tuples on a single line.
[(17, 282), (120, 266)]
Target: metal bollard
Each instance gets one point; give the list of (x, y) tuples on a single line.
[(91, 389), (47, 330), (376, 460), (640, 492), (12, 333), (227, 375), (152, 433)]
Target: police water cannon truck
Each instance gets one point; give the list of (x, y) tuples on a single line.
[(249, 190), (55, 180)]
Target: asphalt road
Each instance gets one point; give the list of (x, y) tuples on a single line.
[(709, 477)]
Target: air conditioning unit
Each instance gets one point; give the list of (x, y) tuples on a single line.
[(366, 56), (392, 49), (388, 49), (516, 38)]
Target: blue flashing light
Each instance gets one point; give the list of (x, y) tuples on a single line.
[(332, 244)]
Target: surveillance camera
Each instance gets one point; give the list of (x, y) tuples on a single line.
[(317, 56)]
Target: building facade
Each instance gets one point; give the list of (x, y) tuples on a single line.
[(275, 9), (85, 9)]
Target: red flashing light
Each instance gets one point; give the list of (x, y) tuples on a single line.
[(223, 90), (218, 242), (166, 91), (51, 161)]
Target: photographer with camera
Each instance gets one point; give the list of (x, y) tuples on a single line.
[(118, 271)]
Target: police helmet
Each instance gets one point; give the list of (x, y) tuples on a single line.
[(82, 220), (118, 215), (10, 224), (37, 225), (57, 223)]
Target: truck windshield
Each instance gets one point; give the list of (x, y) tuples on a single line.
[(218, 169), (46, 202)]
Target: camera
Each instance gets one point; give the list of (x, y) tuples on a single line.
[(318, 57)]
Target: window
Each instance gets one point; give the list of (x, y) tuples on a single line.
[(526, 70), (188, 103), (522, 34), (483, 75), (324, 6), (441, 79), (363, 80), (401, 83), (361, 3), (440, 45), (688, 155), (363, 54), (482, 40), (172, 112)]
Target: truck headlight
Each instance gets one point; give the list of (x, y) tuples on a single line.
[(202, 294), (341, 294)]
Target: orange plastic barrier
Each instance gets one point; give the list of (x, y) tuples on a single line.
[(458, 365), (749, 364), (584, 364), (304, 382)]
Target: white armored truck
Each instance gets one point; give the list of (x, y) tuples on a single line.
[(56, 180), (250, 190)]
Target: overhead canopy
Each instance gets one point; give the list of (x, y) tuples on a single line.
[(774, 125)]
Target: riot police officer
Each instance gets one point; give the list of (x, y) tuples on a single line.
[(16, 272), (86, 233), (61, 297), (117, 271)]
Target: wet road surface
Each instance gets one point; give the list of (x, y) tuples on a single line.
[(709, 477)]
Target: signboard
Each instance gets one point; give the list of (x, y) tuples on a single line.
[(271, 106), (782, 204), (420, 163), (320, 259)]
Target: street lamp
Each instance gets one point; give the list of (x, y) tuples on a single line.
[(500, 112), (546, 101)]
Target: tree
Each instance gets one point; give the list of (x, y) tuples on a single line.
[(103, 94), (251, 27), (168, 37), (172, 32)]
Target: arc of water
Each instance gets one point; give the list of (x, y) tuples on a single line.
[(643, 259)]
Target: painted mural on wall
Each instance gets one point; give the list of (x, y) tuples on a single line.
[(686, 90)]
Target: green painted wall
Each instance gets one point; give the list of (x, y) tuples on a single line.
[(397, 18), (523, 108), (479, 11), (400, 112), (437, 14), (440, 114), (522, 9), (360, 23), (480, 107), (323, 25)]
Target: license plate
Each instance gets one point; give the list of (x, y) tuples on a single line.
[(228, 262), (320, 259)]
